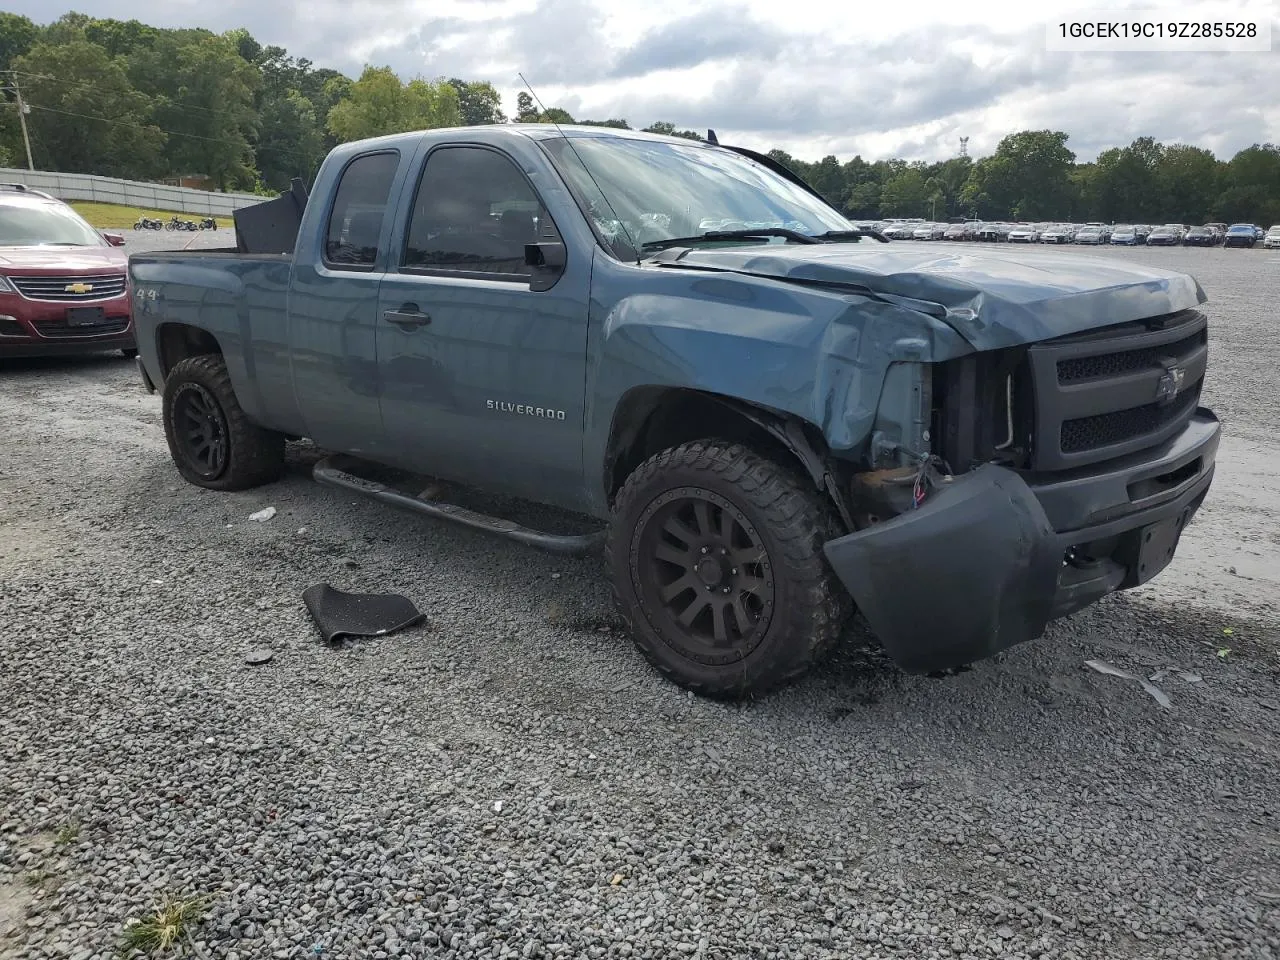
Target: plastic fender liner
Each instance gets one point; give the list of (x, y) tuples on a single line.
[(971, 572)]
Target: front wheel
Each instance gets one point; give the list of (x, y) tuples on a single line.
[(212, 442), (718, 568)]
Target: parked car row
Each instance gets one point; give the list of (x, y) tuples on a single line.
[(1085, 234)]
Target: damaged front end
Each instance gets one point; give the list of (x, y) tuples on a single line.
[(969, 572), (1008, 488)]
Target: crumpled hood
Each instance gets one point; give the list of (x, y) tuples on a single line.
[(60, 260), (992, 301)]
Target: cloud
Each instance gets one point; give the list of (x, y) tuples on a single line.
[(712, 34), (876, 79)]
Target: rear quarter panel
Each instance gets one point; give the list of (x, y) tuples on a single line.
[(240, 300)]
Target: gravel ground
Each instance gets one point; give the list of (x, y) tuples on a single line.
[(510, 779)]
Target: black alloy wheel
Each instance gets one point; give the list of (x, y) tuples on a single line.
[(716, 556), (212, 442), (704, 572), (200, 430)]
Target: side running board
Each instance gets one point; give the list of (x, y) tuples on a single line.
[(329, 471)]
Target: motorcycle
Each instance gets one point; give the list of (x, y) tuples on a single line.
[(147, 223), (177, 223), (208, 223)]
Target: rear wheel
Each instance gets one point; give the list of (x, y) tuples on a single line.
[(717, 563), (212, 442)]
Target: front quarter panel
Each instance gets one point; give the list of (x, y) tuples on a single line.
[(819, 355)]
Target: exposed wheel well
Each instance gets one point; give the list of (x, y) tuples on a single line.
[(178, 341), (652, 419)]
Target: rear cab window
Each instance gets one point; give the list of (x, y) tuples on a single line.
[(359, 209)]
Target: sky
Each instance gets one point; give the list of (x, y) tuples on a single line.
[(843, 77)]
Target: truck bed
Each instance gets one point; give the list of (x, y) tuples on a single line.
[(241, 300)]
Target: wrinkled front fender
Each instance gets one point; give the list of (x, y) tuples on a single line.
[(971, 572)]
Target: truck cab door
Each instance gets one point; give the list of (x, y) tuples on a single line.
[(333, 308), (482, 356)]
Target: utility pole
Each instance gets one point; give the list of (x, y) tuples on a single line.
[(22, 119)]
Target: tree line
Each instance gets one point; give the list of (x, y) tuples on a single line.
[(124, 99), (121, 98)]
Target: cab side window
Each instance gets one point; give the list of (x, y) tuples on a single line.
[(473, 214), (355, 223)]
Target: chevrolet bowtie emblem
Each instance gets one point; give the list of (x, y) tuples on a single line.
[(78, 288)]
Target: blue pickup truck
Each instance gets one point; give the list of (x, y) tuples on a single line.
[(772, 417)]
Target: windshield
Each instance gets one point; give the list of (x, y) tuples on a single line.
[(46, 223), (646, 191)]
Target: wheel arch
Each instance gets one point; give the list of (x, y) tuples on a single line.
[(176, 342), (650, 419)]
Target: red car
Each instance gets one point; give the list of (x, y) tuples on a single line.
[(63, 285)]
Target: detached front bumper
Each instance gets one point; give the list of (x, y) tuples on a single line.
[(989, 560)]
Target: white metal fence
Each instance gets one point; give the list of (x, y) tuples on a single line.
[(131, 193)]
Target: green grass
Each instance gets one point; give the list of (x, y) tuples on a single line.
[(113, 216), (164, 929), (67, 834)]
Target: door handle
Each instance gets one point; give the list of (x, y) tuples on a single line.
[(408, 317)]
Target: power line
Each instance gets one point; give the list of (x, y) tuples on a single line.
[(140, 126), (256, 145), (291, 154), (89, 86)]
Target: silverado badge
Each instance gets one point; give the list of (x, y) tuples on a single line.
[(525, 409)]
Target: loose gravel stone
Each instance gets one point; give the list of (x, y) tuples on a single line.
[(513, 784)]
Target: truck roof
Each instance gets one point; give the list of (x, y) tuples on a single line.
[(531, 131)]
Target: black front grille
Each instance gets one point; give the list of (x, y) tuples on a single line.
[(60, 328), (70, 289), (1114, 364), (1107, 429), (1112, 391)]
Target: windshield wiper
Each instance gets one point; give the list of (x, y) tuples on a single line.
[(831, 236), (713, 235), (838, 235)]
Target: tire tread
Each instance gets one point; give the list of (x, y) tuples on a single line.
[(800, 518), (255, 454)]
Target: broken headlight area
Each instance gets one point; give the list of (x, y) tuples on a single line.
[(983, 410)]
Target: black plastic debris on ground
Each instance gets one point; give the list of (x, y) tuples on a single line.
[(339, 614)]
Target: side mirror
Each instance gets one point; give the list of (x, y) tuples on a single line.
[(549, 255), (546, 261), (115, 239)]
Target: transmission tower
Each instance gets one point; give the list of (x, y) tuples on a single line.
[(964, 146)]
